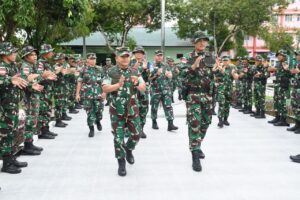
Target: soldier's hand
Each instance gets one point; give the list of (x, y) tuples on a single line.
[(121, 81), (145, 66), (168, 74), (295, 71), (77, 73), (159, 71), (31, 77), (19, 82), (245, 70), (136, 65), (271, 69), (134, 80), (37, 87), (103, 95), (64, 71), (197, 61), (285, 66), (77, 97)]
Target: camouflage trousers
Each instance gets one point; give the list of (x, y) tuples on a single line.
[(9, 120), (32, 114), (247, 94), (259, 95), (45, 109), (224, 95), (214, 97), (166, 100), (280, 97), (199, 115), (72, 95), (122, 124), (59, 102), (143, 106), (295, 102), (94, 109), (179, 86), (239, 92)]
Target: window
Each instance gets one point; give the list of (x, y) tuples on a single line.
[(288, 18), (179, 55), (275, 18)]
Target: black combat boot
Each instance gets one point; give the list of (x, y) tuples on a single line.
[(248, 110), (73, 111), (282, 122), (261, 115), (122, 167), (142, 134), (201, 154), (294, 128), (220, 124), (17, 163), (179, 96), (78, 106), (256, 113), (44, 134), (66, 117), (297, 131), (154, 124), (129, 156), (295, 158), (91, 133), (275, 120), (99, 126), (171, 126), (225, 122), (30, 150), (59, 124), (50, 132), (196, 161), (172, 99), (242, 109), (8, 165)]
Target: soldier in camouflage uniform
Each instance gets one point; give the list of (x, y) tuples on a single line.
[(160, 77), (181, 66), (295, 101), (44, 66), (60, 90), (260, 81), (175, 73), (246, 76), (140, 63), (73, 75), (29, 72), (238, 85), (11, 85), (90, 82), (198, 86), (224, 75), (106, 68), (123, 82), (281, 89)]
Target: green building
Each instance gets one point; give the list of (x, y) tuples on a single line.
[(174, 46)]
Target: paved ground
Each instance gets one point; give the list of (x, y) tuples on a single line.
[(248, 160)]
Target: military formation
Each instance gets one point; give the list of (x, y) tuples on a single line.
[(48, 85)]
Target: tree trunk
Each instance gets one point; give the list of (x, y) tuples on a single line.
[(232, 32), (108, 43)]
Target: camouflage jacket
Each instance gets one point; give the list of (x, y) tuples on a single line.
[(143, 72), (160, 83), (200, 80), (44, 65), (282, 76), (296, 79), (264, 73), (91, 79), (248, 76), (25, 70), (226, 77), (124, 99), (10, 95)]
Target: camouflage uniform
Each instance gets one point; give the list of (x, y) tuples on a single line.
[(106, 69), (239, 87), (295, 99), (247, 81), (124, 111), (10, 98), (91, 79), (260, 88), (161, 91), (72, 86)]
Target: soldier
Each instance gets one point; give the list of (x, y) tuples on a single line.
[(198, 86), (29, 72), (89, 82), (238, 85), (106, 68), (295, 97), (175, 73), (246, 76), (60, 90), (281, 89), (11, 85), (224, 75), (181, 66), (123, 82), (44, 67), (141, 64), (260, 81), (161, 91), (73, 75)]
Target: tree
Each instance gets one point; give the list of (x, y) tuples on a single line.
[(219, 16)]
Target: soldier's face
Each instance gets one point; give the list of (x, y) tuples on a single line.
[(91, 61), (31, 58), (123, 61), (12, 57), (159, 58), (226, 62), (61, 61), (139, 55), (108, 62), (201, 44), (280, 57), (49, 55)]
